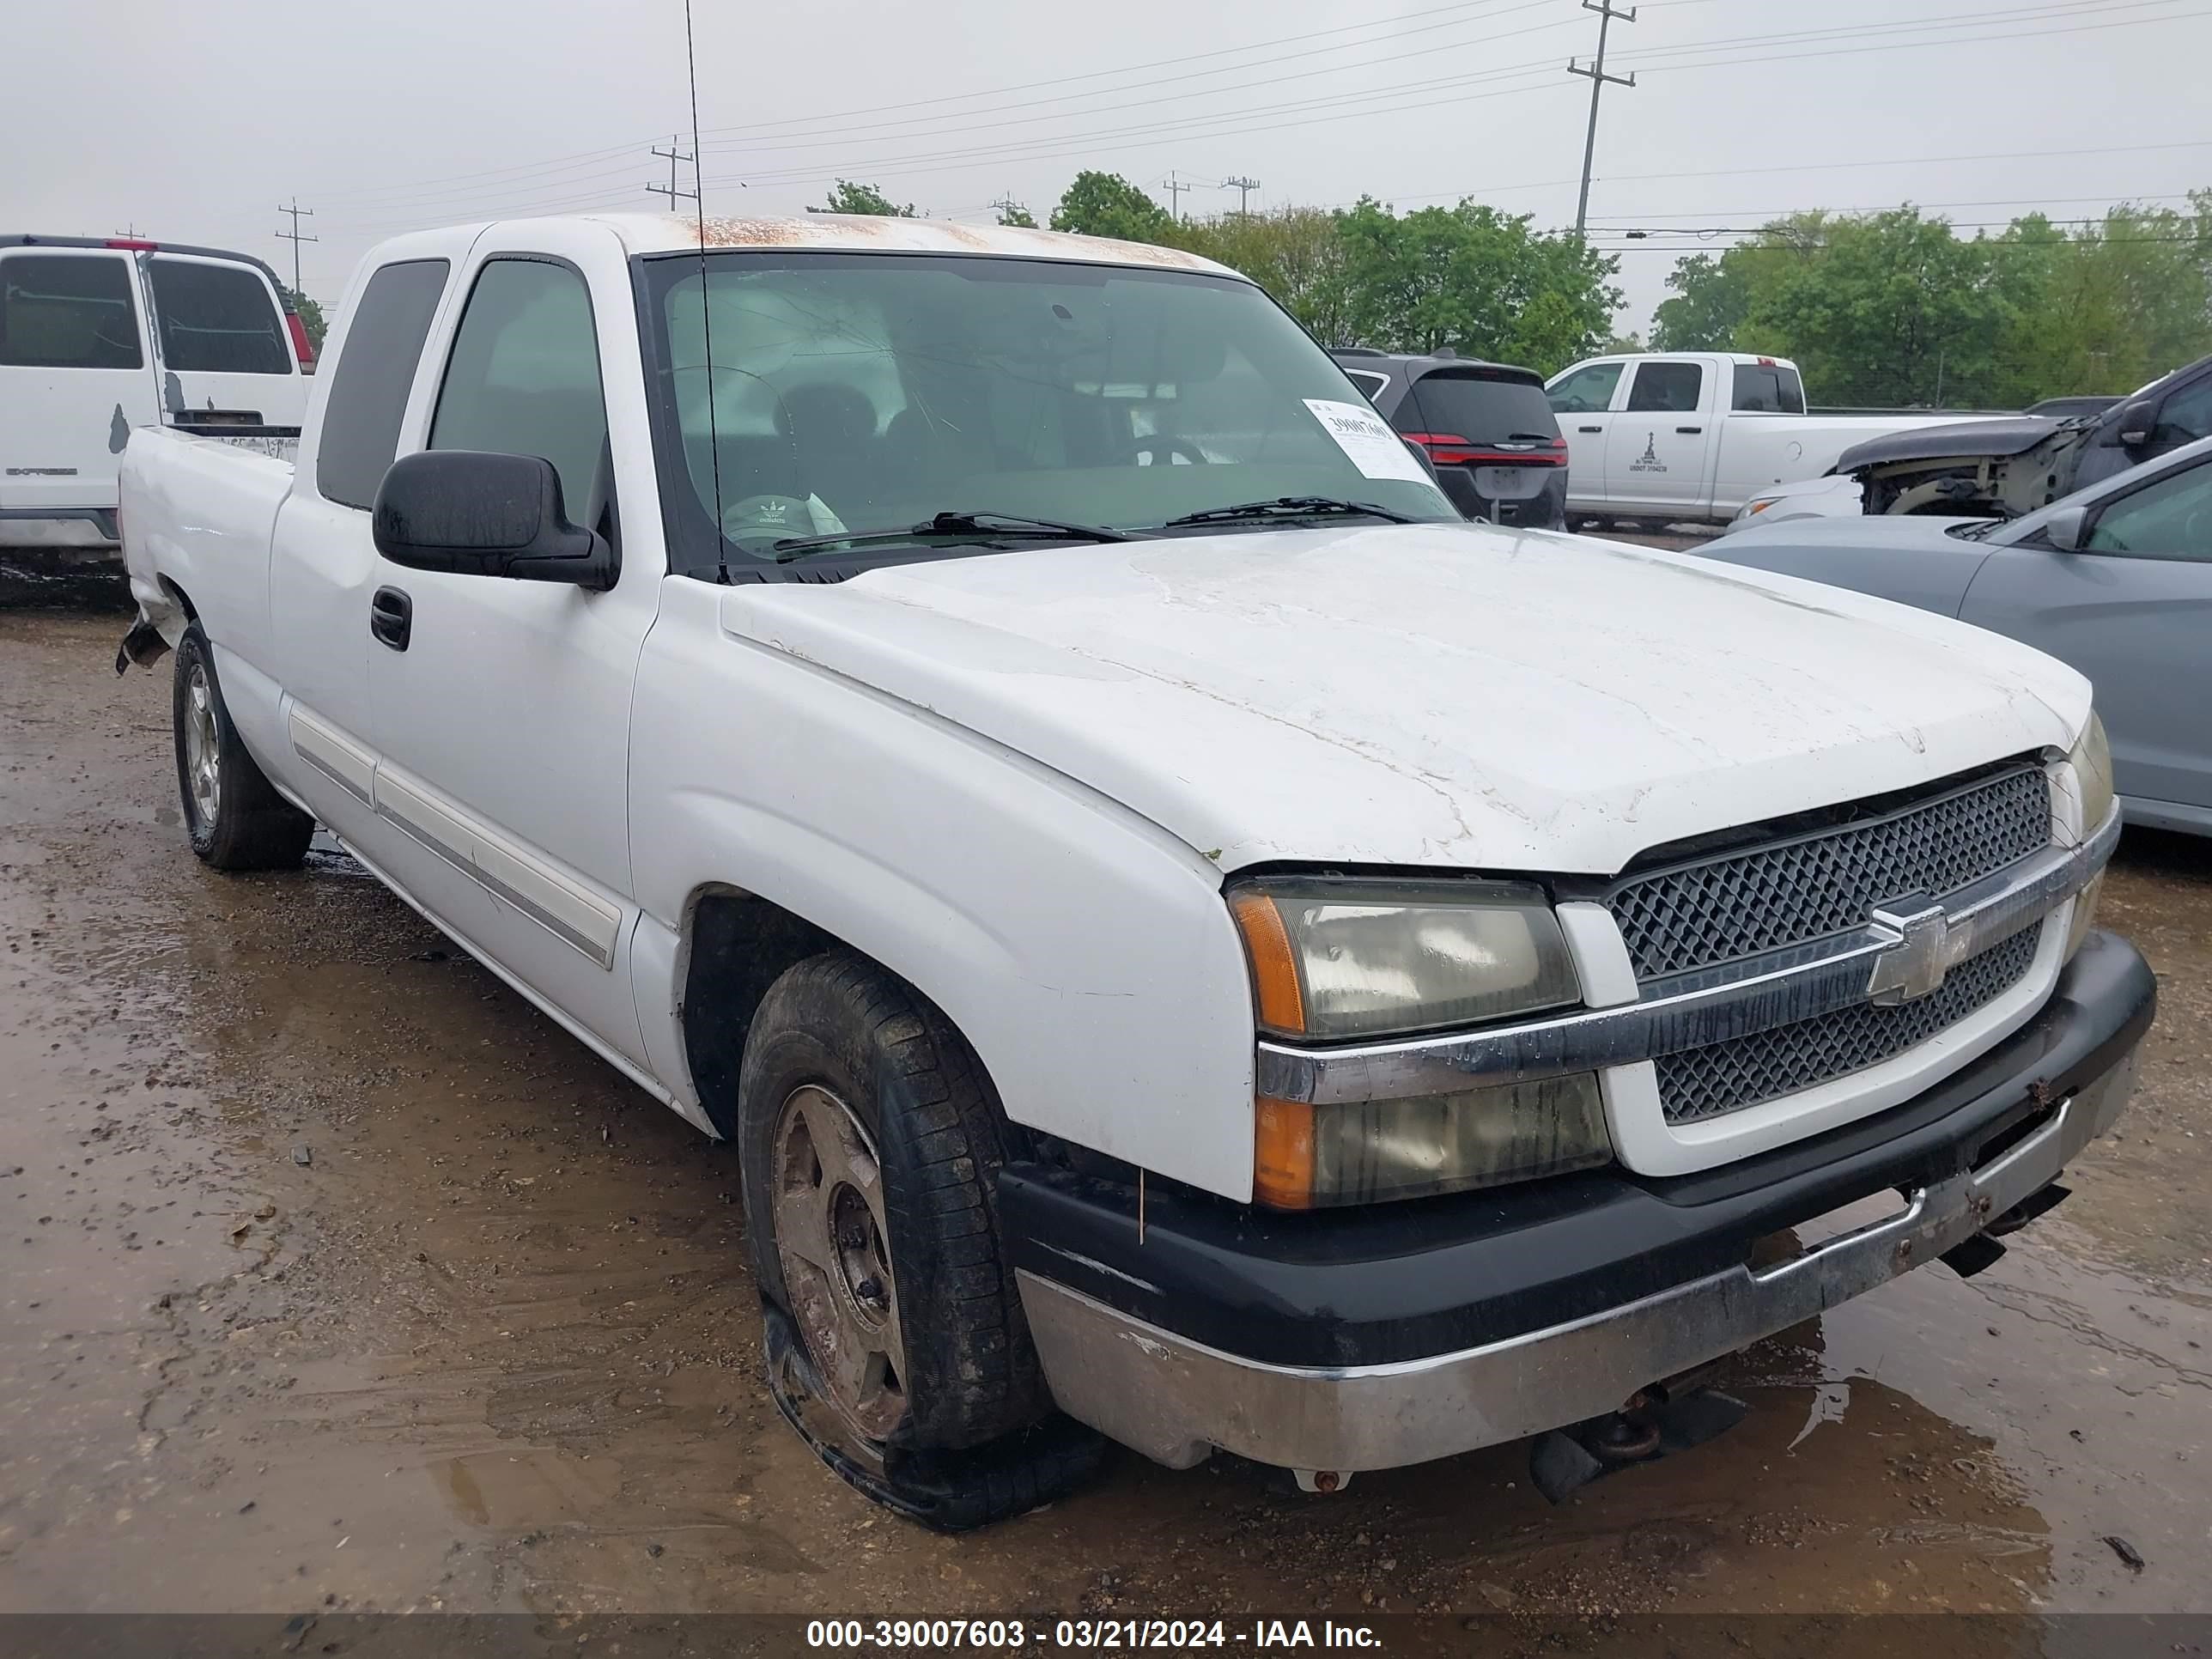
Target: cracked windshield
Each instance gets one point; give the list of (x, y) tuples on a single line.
[(869, 394)]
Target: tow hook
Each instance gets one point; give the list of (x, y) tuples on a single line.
[(1653, 1422), (1983, 1250)]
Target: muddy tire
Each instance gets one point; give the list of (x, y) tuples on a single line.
[(871, 1140), (235, 817)]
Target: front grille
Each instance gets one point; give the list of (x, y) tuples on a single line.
[(1792, 891), (1727, 1077)]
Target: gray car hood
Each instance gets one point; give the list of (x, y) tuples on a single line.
[(2014, 435)]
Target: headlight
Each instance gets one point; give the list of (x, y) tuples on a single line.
[(1318, 1157), (1337, 960), (1332, 960), (2092, 763)]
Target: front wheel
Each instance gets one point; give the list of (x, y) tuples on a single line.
[(235, 817), (871, 1144)]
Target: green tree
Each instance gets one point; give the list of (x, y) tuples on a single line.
[(1898, 310), (849, 197), (1293, 252), (1713, 297), (1013, 213), (1890, 309), (1482, 282), (310, 314), (2115, 304), (1107, 204)]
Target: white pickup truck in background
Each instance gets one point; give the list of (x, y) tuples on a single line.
[(1190, 938), (1688, 438), (99, 337)]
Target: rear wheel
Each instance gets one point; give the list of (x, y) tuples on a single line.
[(235, 817), (871, 1143)]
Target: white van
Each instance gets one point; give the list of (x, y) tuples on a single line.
[(98, 337)]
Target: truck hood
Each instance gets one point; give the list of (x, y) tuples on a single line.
[(2014, 435), (1426, 694)]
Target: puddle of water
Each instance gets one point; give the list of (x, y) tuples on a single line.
[(495, 1345)]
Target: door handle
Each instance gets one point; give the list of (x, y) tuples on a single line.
[(1691, 430), (1590, 429), (391, 617)]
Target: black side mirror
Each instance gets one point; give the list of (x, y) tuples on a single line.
[(2131, 425), (477, 514)]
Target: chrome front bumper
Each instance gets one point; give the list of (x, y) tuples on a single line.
[(1177, 1401)]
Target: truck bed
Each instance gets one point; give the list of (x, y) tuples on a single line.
[(202, 510)]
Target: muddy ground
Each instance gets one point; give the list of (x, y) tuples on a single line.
[(334, 1276)]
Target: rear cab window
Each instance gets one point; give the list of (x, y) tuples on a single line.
[(68, 311), (375, 372), (216, 318), (1767, 389), (1667, 389), (1483, 406)]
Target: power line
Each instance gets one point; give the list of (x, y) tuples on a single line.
[(2047, 11), (836, 116), (1345, 105), (1599, 81), (672, 155), (295, 238), (1209, 125), (2007, 36), (908, 163), (1991, 243), (1175, 188)]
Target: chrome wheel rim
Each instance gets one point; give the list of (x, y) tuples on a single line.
[(203, 746), (830, 1240)]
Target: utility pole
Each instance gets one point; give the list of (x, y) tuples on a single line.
[(295, 238), (1007, 205), (672, 155), (1176, 188), (1598, 79), (1243, 187)]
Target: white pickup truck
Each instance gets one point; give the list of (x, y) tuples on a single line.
[(1190, 939), (1688, 438), (99, 337)]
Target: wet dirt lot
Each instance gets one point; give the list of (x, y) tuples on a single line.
[(334, 1276)]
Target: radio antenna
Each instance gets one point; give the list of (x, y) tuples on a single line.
[(706, 315)]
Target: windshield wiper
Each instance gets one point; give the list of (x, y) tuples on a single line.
[(1289, 507), (969, 525)]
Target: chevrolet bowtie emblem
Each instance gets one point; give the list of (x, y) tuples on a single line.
[(1916, 964)]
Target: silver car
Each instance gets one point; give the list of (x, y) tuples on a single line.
[(2116, 579)]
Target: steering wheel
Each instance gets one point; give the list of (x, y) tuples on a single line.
[(1161, 446)]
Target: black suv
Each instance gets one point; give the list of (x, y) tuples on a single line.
[(1487, 427)]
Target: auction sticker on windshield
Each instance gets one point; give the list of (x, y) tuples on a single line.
[(1367, 441)]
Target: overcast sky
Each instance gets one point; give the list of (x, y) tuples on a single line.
[(192, 119)]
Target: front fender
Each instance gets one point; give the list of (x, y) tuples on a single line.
[(1084, 953)]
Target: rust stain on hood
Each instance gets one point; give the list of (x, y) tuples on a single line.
[(861, 232)]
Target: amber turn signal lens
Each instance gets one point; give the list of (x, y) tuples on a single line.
[(1283, 1154), (1275, 971)]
